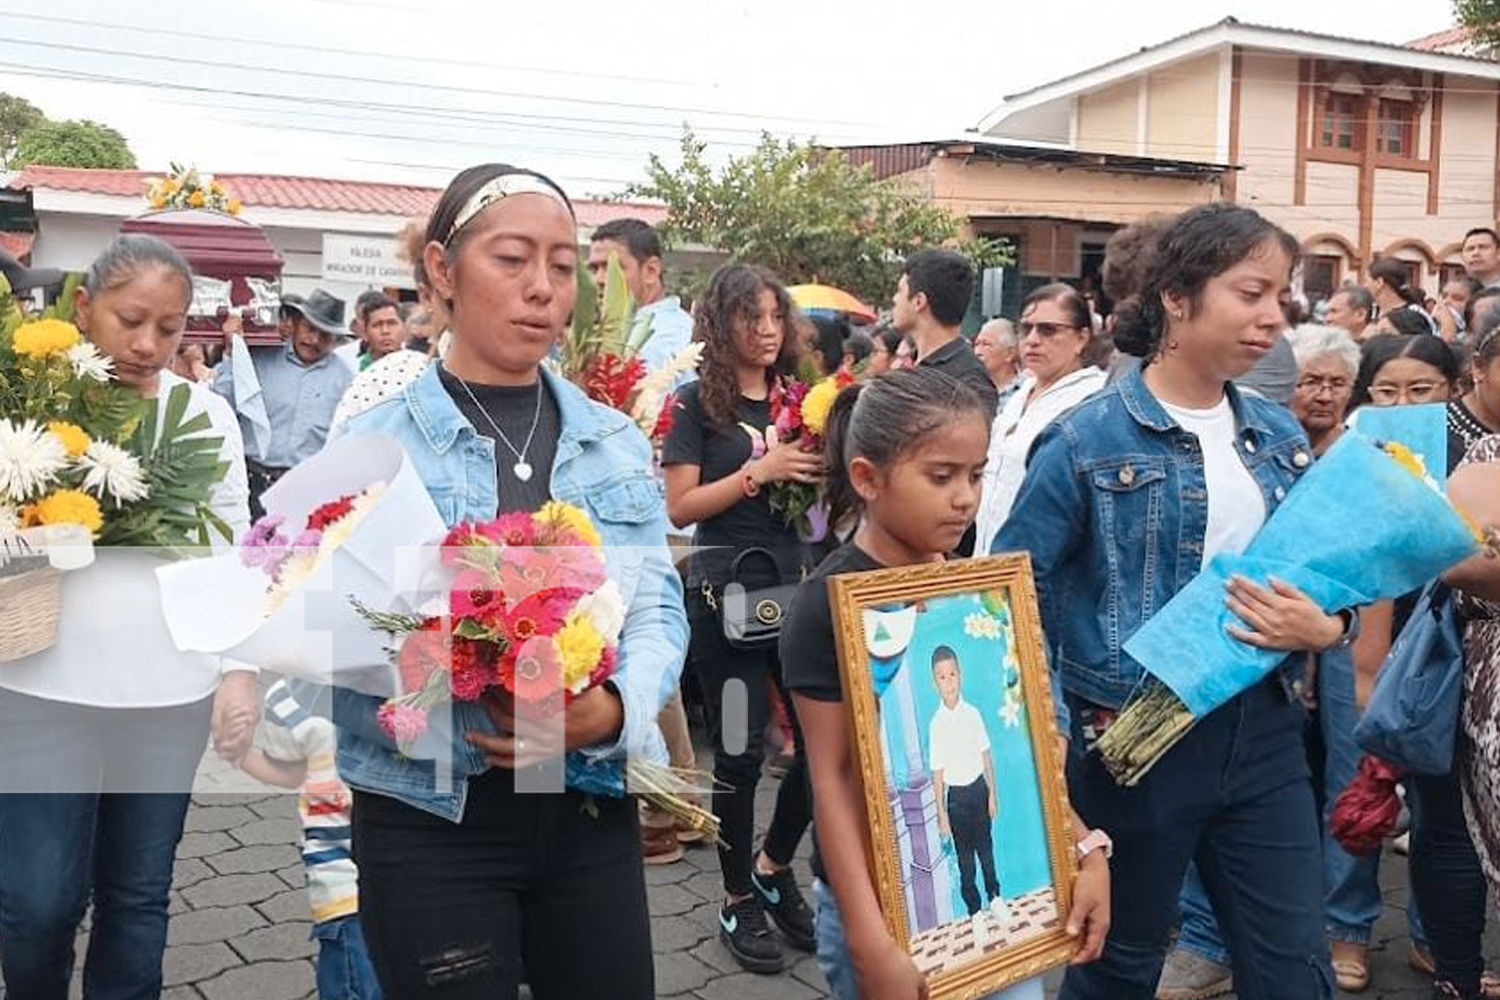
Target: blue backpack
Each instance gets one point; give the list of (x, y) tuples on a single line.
[(1412, 718)]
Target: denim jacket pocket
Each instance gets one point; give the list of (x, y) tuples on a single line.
[(631, 502), (1129, 500)]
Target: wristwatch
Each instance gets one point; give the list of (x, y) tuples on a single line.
[(1095, 840)]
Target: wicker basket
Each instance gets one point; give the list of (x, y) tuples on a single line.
[(29, 606)]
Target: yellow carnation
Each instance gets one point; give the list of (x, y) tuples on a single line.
[(580, 646), (73, 437), (44, 337), (196, 199), (570, 518), (234, 206), (817, 404), (66, 507)]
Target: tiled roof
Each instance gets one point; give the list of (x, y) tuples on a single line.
[(310, 193), (1440, 41)]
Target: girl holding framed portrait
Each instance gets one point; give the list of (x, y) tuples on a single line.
[(907, 452)]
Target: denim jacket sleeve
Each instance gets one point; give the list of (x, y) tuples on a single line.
[(1048, 520), (652, 648)]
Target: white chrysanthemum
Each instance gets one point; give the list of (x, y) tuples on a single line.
[(87, 362), (10, 521), (980, 625), (605, 610), (113, 470), (30, 458)]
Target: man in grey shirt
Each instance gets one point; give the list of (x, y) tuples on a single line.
[(299, 383)]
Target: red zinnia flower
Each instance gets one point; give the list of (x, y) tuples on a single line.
[(475, 595), (424, 653), (538, 670), (329, 513)]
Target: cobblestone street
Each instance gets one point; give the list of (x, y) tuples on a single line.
[(241, 931)]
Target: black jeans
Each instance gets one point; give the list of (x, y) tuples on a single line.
[(1235, 797), (972, 829), (735, 686), (527, 888), (1447, 882)]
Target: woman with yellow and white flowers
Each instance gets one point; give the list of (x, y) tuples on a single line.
[(101, 734)]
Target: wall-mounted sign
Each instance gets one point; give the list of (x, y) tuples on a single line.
[(364, 260)]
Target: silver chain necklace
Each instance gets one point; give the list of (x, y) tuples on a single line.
[(522, 469)]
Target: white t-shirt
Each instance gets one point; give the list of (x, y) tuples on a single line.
[(957, 742), (113, 649), (1236, 506)]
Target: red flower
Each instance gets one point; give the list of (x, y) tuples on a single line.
[(665, 418), (610, 379), (513, 529), (538, 670), (527, 571), (329, 513), (472, 668), (540, 614), (424, 653), (475, 595), (461, 538), (786, 407), (605, 670)]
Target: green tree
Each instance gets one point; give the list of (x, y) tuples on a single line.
[(805, 213), (73, 144), (17, 114), (1482, 17)]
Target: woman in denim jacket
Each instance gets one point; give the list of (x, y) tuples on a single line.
[(469, 886), (1127, 497)]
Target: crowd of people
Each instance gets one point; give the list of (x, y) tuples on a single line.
[(1121, 452)]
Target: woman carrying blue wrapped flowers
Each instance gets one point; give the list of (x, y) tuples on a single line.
[(1127, 498)]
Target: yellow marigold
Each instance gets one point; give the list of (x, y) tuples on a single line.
[(580, 646), (817, 404), (170, 185), (1406, 458), (44, 337), (234, 206), (66, 507), (569, 518), (196, 199), (73, 437)]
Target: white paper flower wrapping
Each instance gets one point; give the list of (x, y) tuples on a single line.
[(389, 563)]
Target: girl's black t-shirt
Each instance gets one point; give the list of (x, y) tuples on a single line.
[(809, 657), (749, 523)]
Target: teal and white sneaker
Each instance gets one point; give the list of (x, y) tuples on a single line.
[(786, 907), (744, 931)]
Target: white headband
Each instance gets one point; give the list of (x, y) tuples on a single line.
[(499, 189)]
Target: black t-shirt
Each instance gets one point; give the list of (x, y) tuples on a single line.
[(957, 359), (750, 523), (809, 658), (513, 408)]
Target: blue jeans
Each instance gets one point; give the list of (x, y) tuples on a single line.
[(838, 967), (1236, 797), (61, 850), (1351, 884), (344, 968)]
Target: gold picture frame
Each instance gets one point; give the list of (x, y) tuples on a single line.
[(902, 635)]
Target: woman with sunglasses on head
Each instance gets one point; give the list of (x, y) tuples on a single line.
[(1053, 339), (1127, 496), (469, 886)]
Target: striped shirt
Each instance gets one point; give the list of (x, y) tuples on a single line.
[(293, 734)]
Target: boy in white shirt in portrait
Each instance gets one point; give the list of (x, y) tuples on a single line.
[(963, 775)]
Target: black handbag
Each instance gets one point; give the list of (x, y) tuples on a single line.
[(750, 619)]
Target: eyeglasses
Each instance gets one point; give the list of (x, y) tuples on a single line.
[(1044, 330), (1386, 393), (1314, 385)]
